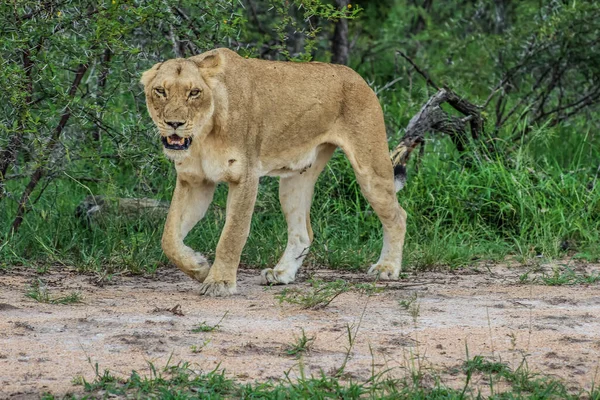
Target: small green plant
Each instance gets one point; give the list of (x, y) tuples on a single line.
[(524, 278), (204, 327), (368, 288), (300, 346), (39, 292), (592, 278), (198, 348), (322, 293), (412, 306), (101, 380), (480, 364), (318, 296), (558, 277), (77, 380), (585, 256), (407, 303)]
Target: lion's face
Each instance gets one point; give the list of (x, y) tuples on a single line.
[(180, 103)]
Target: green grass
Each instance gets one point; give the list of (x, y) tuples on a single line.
[(39, 292), (568, 277), (560, 276), (301, 345), (320, 293), (480, 364), (180, 382), (524, 384), (532, 201), (409, 302), (411, 305), (204, 327)]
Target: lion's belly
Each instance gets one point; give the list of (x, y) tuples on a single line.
[(230, 166), (287, 166)]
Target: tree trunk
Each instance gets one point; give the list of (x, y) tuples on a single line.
[(339, 46), (100, 101), (419, 24)]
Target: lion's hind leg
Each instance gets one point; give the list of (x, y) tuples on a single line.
[(374, 174), (295, 195)]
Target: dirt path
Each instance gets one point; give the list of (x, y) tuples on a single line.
[(124, 324)]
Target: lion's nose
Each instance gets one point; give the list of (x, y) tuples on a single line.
[(174, 124)]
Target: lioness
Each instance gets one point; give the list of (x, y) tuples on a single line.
[(224, 118)]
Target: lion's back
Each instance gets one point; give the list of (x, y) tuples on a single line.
[(298, 100)]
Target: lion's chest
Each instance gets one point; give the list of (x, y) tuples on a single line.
[(211, 166), (227, 168)]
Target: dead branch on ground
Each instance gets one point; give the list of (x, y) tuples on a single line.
[(433, 118)]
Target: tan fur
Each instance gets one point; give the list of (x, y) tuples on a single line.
[(255, 118)]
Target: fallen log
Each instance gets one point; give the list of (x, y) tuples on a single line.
[(94, 209), (433, 118)]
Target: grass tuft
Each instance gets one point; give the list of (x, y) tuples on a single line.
[(300, 346), (204, 327), (319, 295), (39, 292)]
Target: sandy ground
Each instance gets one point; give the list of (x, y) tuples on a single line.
[(126, 323)]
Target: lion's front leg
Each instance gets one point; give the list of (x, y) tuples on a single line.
[(221, 280), (189, 204)]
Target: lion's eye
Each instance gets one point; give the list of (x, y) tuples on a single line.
[(160, 91), (194, 92)]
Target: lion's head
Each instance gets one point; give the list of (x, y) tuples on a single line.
[(180, 100)]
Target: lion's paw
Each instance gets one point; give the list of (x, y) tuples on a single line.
[(218, 288), (200, 269), (384, 271), (270, 276)]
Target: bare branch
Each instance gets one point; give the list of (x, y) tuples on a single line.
[(388, 85), (424, 74)]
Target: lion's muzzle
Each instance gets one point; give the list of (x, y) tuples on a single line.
[(176, 142)]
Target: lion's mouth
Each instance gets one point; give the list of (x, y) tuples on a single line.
[(176, 142)]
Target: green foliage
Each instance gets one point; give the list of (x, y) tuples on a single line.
[(293, 18)]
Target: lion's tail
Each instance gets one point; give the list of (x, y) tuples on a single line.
[(399, 159)]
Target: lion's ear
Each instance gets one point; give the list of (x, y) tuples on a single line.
[(211, 60), (150, 74)]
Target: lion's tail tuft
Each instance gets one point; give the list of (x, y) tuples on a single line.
[(399, 177), (399, 158)]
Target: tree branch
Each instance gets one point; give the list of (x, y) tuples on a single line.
[(424, 74), (102, 78)]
